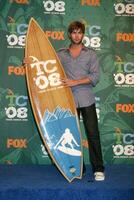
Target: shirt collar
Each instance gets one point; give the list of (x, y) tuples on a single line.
[(83, 48)]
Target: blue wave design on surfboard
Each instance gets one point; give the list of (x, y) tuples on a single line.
[(63, 139)]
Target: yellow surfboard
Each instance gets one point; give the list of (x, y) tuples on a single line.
[(53, 105)]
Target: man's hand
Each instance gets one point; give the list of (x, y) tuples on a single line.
[(69, 82), (26, 61)]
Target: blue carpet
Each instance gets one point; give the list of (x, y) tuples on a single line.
[(46, 183)]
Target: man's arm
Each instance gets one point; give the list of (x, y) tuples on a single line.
[(94, 69), (71, 82)]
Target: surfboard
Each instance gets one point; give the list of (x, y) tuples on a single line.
[(52, 104)]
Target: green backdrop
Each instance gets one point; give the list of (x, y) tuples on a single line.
[(109, 30)]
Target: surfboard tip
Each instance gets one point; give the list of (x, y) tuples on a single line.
[(32, 20)]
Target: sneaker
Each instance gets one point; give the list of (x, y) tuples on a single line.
[(99, 176)]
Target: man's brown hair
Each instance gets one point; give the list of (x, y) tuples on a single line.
[(75, 26)]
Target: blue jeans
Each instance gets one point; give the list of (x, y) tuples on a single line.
[(91, 129)]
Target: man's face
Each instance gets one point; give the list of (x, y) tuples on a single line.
[(76, 36)]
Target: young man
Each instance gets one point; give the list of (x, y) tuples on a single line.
[(82, 69)]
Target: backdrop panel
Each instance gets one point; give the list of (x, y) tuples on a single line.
[(109, 30)]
